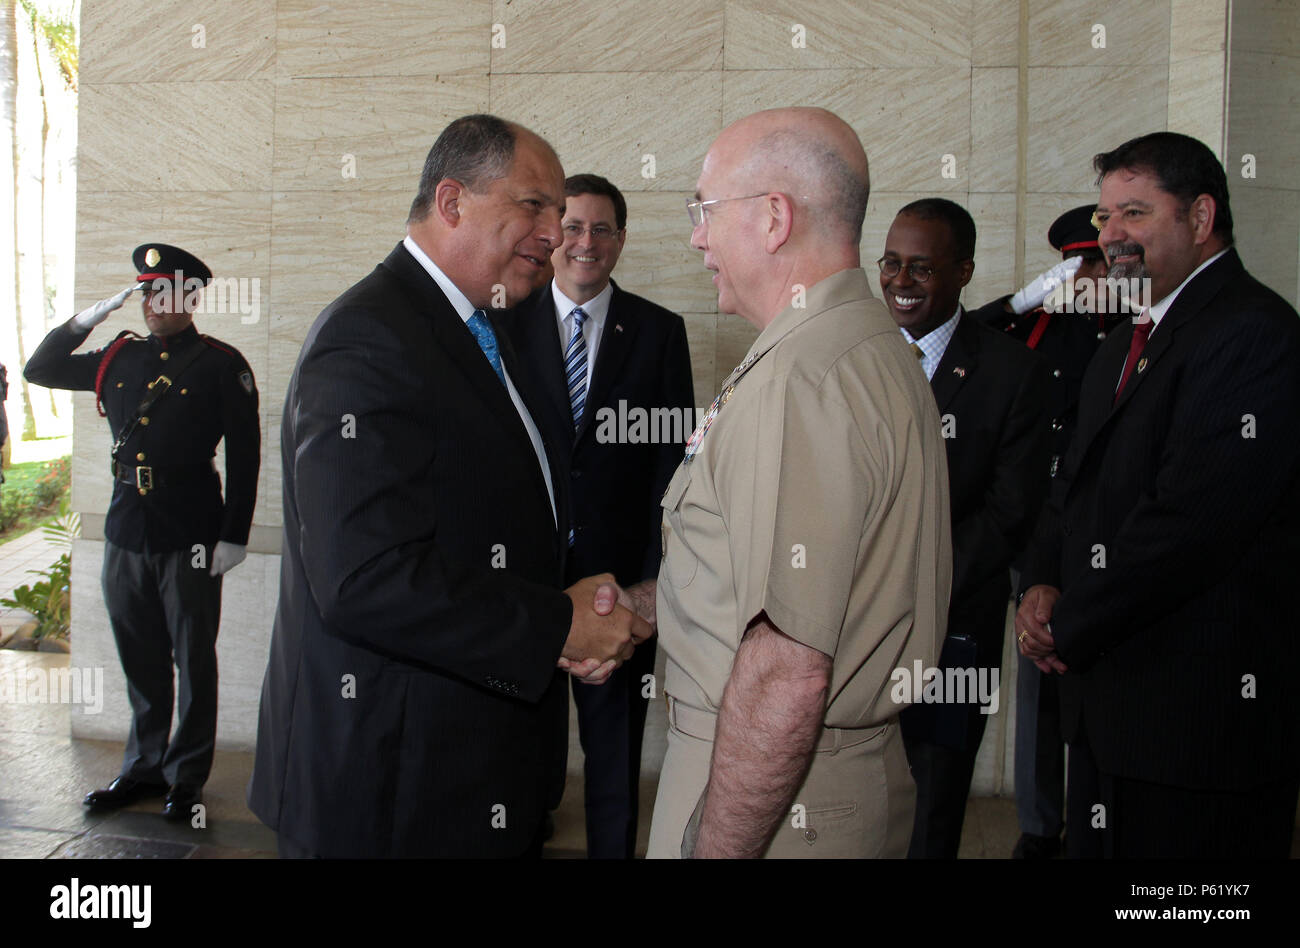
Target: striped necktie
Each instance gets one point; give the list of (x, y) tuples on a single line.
[(487, 341), (575, 367)]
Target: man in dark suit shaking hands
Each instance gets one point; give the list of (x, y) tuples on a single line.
[(1160, 582), (412, 704), (603, 355)]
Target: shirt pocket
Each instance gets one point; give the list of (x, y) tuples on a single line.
[(679, 562)]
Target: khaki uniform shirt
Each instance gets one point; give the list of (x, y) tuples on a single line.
[(819, 495)]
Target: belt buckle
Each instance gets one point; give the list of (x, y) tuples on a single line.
[(144, 478), (162, 380)]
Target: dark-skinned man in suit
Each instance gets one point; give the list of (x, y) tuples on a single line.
[(412, 705), (1158, 584), (992, 398), (601, 354)]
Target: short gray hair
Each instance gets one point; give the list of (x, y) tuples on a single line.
[(474, 150)]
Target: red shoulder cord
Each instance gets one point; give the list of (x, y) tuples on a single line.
[(122, 339)]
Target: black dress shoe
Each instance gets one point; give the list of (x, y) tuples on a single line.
[(123, 791), (180, 801), (1030, 846)]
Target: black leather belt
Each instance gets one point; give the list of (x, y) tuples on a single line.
[(151, 478)]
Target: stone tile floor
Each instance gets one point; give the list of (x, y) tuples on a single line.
[(44, 773)]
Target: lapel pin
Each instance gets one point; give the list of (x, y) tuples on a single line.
[(959, 372), (618, 327), (1142, 363)]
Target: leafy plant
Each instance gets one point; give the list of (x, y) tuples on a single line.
[(49, 600), (54, 482)]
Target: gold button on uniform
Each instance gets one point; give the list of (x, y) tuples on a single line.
[(120, 384), (143, 492), (144, 420), (140, 456), (165, 356), (185, 391)]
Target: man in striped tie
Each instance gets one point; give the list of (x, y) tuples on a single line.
[(603, 354)]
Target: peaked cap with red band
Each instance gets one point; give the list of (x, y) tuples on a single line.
[(1073, 233), (163, 262)]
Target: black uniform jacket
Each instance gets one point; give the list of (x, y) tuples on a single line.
[(213, 398)]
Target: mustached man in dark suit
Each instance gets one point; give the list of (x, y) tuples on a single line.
[(605, 356), (1160, 581), (412, 704), (992, 397)]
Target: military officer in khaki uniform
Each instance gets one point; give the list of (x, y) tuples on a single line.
[(807, 552)]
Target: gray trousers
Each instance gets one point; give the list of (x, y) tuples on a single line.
[(1040, 752), (164, 609)]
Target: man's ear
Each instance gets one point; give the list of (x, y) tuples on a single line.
[(780, 221), (446, 201), (967, 271), (1203, 211)]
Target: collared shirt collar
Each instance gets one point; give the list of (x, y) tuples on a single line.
[(838, 288), (1157, 312), (459, 301), (178, 340), (934, 343), (596, 308)]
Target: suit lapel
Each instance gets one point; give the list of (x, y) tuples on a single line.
[(459, 346), (616, 343), (1191, 300), (540, 348), (959, 361), (1107, 366)]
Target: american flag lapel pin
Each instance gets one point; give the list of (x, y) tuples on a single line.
[(959, 372), (618, 327)]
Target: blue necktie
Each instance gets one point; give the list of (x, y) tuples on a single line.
[(487, 341), (575, 367)]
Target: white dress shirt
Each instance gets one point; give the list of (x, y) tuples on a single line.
[(465, 309), (596, 308)]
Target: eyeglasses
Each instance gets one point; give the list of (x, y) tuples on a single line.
[(598, 232), (891, 267), (695, 209)]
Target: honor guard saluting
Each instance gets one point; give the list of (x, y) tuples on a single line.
[(169, 397), (1066, 339)]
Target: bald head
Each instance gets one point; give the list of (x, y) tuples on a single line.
[(808, 153)]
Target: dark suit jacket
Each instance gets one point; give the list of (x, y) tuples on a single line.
[(995, 391), (1190, 486), (992, 397), (643, 362), (411, 694)]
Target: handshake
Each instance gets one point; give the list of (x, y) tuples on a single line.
[(608, 623)]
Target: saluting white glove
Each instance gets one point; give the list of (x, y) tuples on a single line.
[(225, 557), (1035, 291), (92, 316)]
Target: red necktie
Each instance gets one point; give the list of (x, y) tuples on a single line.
[(1141, 331)]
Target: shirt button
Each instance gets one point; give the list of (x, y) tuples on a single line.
[(140, 456), (165, 356), (144, 420), (810, 836)]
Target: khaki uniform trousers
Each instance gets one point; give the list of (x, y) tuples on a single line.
[(858, 799)]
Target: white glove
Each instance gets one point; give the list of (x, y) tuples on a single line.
[(1036, 290), (225, 557), (92, 316)]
